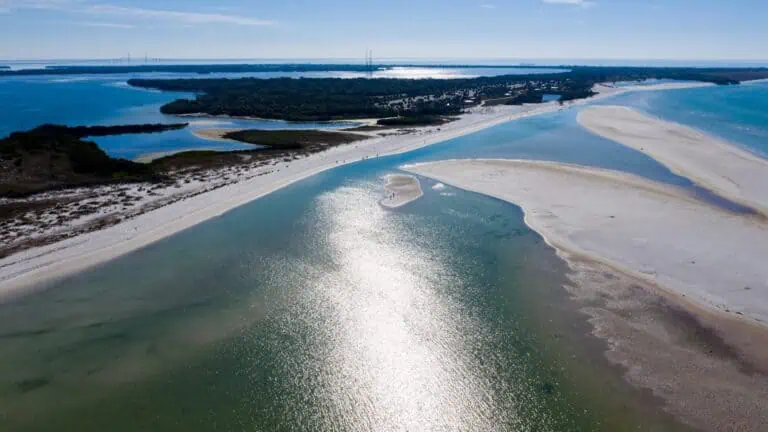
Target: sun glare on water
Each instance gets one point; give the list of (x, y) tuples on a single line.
[(390, 347)]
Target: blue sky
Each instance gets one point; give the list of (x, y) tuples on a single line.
[(525, 29)]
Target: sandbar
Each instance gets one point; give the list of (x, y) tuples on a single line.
[(676, 287), (654, 232), (725, 169), (400, 190)]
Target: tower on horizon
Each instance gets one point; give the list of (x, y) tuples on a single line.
[(369, 62)]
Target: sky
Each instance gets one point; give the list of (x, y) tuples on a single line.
[(448, 29)]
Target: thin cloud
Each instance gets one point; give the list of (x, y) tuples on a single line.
[(582, 3), (38, 4), (179, 16), (126, 12), (104, 24), (488, 6)]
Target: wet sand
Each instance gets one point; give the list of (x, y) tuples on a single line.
[(647, 262)]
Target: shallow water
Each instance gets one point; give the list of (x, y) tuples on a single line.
[(315, 308)]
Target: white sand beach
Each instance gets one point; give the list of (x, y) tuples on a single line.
[(724, 168), (400, 190), (153, 219), (676, 287), (651, 231)]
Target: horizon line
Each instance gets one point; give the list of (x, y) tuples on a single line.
[(140, 58)]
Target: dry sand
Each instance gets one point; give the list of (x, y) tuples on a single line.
[(650, 264), (400, 190), (714, 164)]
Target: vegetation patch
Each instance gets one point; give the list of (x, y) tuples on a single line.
[(417, 120), (293, 139), (323, 99), (55, 157)]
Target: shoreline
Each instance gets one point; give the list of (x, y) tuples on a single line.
[(649, 288), (35, 265), (721, 167)]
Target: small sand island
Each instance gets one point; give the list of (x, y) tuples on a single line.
[(400, 190), (649, 264), (655, 232), (714, 164)]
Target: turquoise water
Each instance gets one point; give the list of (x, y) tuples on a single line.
[(314, 308), (736, 113), (555, 137)]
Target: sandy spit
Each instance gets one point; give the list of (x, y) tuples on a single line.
[(651, 231), (724, 168), (676, 286)]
